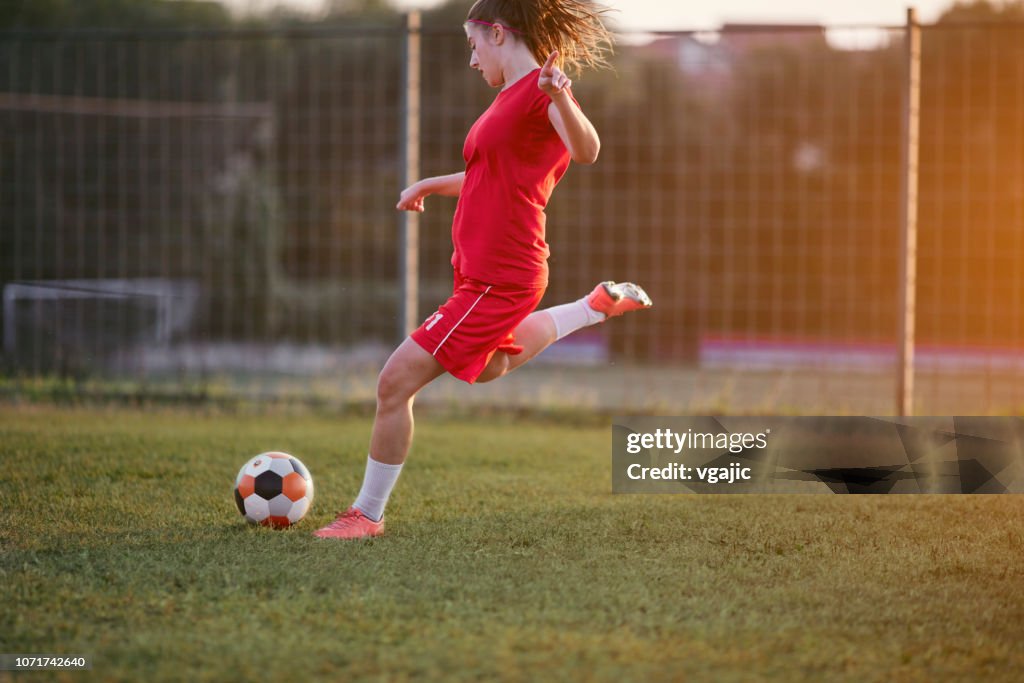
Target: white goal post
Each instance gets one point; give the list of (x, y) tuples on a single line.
[(173, 301)]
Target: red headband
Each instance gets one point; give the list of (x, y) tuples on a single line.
[(487, 23)]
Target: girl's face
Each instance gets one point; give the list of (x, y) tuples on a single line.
[(485, 55)]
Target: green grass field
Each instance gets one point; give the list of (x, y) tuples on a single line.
[(506, 558)]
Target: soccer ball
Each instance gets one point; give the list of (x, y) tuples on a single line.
[(273, 489)]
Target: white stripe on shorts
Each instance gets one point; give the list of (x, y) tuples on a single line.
[(460, 320)]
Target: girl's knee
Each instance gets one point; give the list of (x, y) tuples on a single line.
[(391, 389), (495, 369)]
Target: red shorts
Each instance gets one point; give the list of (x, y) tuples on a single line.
[(476, 321)]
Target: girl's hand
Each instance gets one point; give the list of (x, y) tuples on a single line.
[(552, 80), (411, 198)]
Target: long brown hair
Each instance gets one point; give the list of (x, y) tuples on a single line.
[(573, 27)]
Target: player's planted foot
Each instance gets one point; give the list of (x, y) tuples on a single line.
[(614, 299), (351, 524)]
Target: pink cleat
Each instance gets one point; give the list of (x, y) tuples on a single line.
[(615, 299), (351, 524)]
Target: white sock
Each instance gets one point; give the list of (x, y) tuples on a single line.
[(377, 484), (571, 317)]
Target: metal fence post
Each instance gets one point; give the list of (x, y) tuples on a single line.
[(908, 214), (409, 221)]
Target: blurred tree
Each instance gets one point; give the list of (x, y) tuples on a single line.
[(809, 191), (972, 179), (363, 9), (61, 14), (983, 11)]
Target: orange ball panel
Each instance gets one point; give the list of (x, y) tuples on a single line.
[(246, 487), (277, 522), (293, 486)]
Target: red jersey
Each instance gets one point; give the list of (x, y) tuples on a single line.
[(514, 159)]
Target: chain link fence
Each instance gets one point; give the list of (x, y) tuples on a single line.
[(212, 212)]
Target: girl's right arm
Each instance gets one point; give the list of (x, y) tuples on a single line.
[(412, 197)]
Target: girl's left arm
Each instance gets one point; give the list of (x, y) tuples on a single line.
[(575, 129)]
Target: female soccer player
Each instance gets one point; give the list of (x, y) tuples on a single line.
[(515, 154)]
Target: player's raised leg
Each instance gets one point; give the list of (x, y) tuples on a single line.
[(408, 370), (543, 328)]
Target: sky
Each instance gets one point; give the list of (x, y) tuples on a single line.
[(681, 14)]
